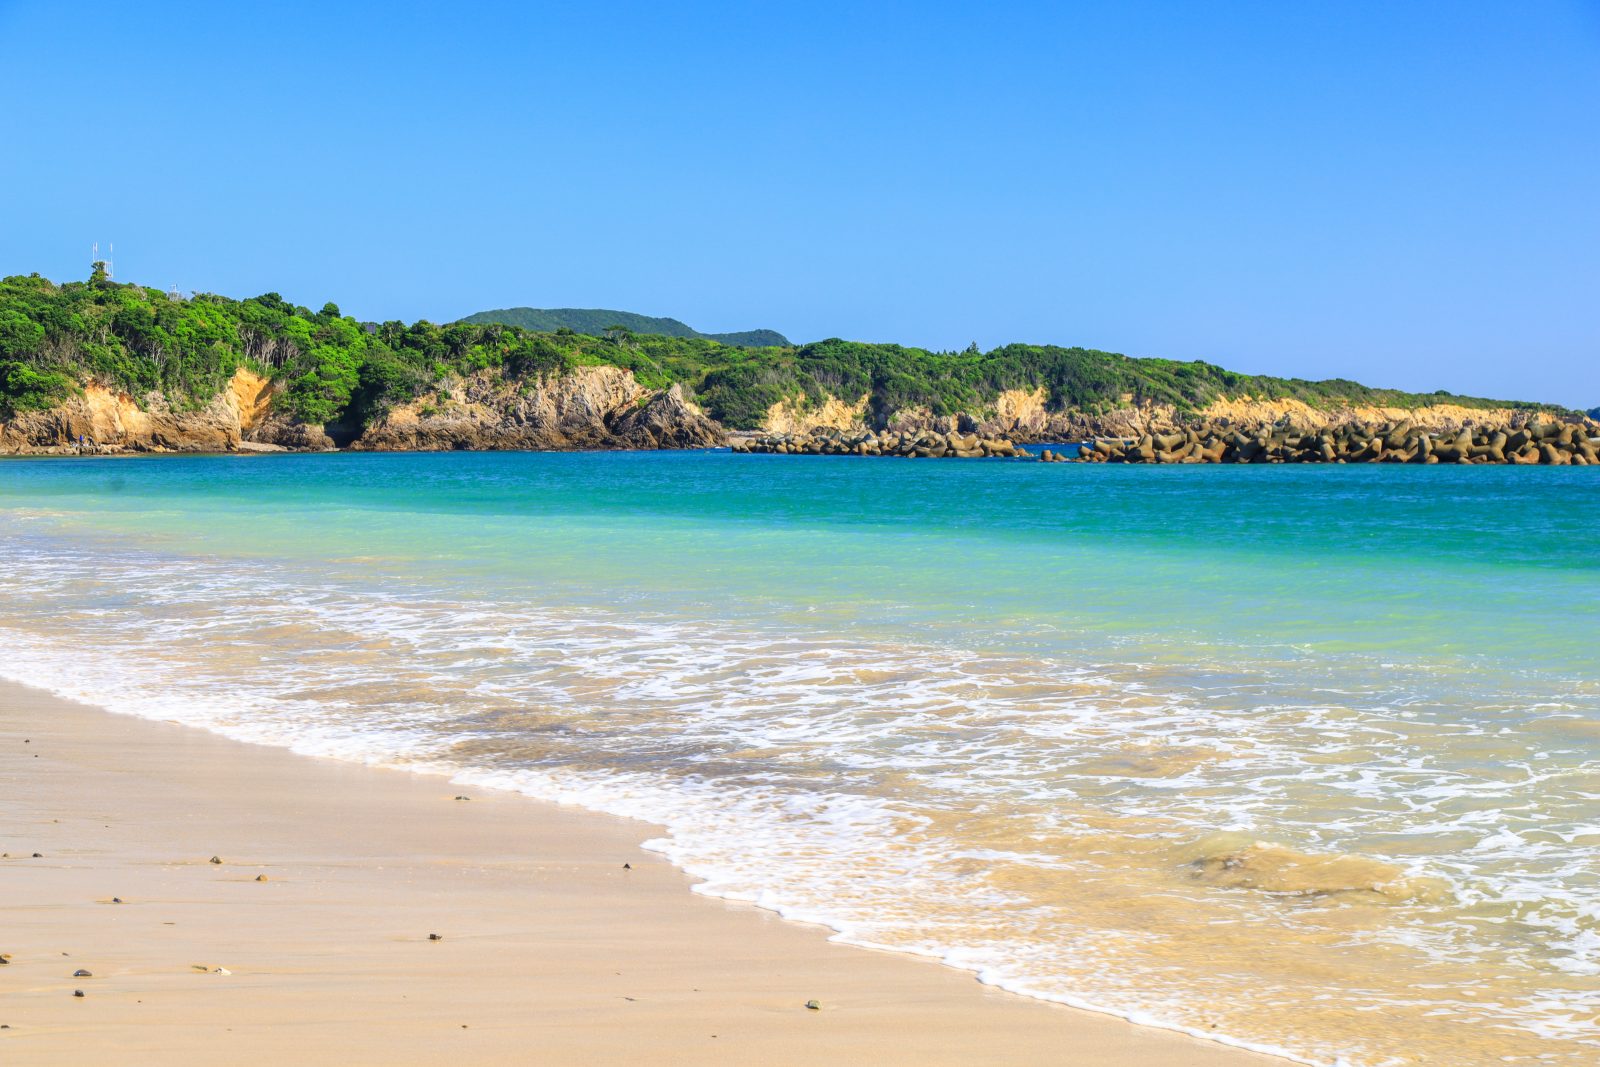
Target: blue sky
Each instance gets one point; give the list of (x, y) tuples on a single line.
[(1403, 193)]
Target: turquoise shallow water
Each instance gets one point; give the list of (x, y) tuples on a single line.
[(1303, 757)]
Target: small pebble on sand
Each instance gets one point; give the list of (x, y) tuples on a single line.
[(81, 973), (813, 1005), (463, 798), (77, 992), (261, 878), (216, 859), (435, 937)]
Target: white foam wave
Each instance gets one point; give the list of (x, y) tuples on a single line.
[(820, 775)]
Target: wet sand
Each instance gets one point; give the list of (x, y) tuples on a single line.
[(549, 951)]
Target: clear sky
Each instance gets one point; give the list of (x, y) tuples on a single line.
[(1405, 193)]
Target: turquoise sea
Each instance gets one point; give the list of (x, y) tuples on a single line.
[(1305, 758)]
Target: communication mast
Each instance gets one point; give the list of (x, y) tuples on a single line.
[(94, 256)]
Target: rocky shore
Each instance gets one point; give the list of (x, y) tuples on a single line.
[(917, 444), (592, 408), (1540, 441), (606, 407)]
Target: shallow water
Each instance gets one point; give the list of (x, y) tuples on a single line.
[(1306, 758)]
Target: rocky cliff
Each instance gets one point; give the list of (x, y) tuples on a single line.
[(591, 408), (605, 407), (1023, 415), (101, 421)]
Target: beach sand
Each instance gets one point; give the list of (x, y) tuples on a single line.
[(549, 951)]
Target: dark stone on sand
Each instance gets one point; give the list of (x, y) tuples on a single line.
[(627, 866), (77, 992), (38, 855), (435, 937), (813, 1005), (81, 973), (215, 859)]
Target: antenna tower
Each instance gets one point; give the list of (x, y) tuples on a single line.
[(94, 256)]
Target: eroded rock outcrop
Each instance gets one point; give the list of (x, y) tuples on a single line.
[(100, 421), (593, 407), (668, 420), (1024, 415)]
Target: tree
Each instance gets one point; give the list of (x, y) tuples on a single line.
[(19, 335), (24, 389)]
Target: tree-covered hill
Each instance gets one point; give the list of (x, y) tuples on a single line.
[(57, 338), (597, 321)]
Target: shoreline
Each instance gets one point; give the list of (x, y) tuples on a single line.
[(547, 941)]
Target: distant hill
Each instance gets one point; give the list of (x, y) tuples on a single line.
[(594, 321), (328, 369), (1594, 413)]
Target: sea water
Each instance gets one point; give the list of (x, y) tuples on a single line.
[(1305, 758)]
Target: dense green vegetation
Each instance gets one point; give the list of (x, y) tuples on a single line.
[(54, 339), (745, 384), (597, 321)]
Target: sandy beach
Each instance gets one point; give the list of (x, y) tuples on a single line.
[(310, 942)]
